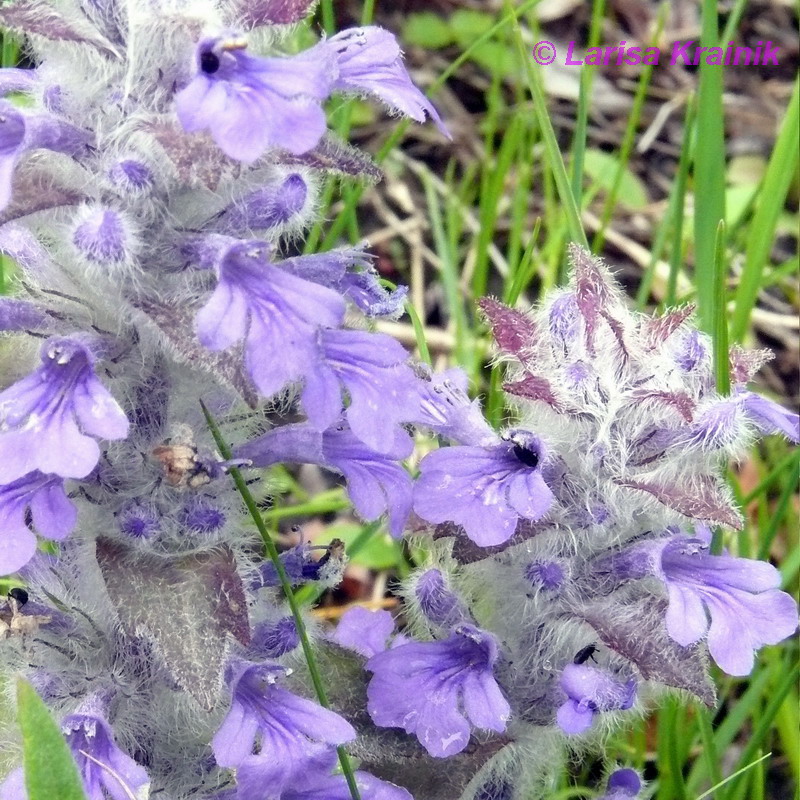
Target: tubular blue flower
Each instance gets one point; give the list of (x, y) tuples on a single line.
[(375, 482), (139, 520), (363, 287), (371, 367), (438, 690), (334, 787), (741, 596), (130, 176), (547, 575), (590, 691), (266, 207), (49, 420), (768, 416), (276, 313), (275, 639), (13, 79), (363, 631), (201, 516), (103, 766), (439, 605), (20, 133), (53, 516), (369, 60), (101, 236), (251, 103), (350, 272), (622, 785), (485, 490), (439, 401), (286, 732), (20, 315)]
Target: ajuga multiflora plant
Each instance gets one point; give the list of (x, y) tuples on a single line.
[(155, 165)]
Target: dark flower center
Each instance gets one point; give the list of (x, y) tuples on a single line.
[(528, 457), (209, 62)]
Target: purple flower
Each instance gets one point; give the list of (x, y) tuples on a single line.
[(375, 481), (623, 784), (251, 103), (741, 596), (363, 287), (130, 176), (439, 401), (101, 236), (371, 368), (369, 60), (139, 520), (20, 315), (547, 575), (769, 417), (590, 691), (363, 631), (485, 490), (438, 690), (49, 419), (201, 516), (286, 731), (104, 768), (276, 313), (334, 787), (439, 605), (20, 133), (53, 516), (13, 79), (266, 207), (276, 638)]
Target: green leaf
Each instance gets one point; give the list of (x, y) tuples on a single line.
[(497, 58), (428, 30), (601, 167), (468, 25), (50, 771), (378, 553)]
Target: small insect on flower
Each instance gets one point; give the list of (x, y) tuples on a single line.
[(183, 467), (18, 595), (15, 623), (585, 653)]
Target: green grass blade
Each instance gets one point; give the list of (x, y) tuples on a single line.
[(719, 314), (552, 150), (782, 168), (709, 170)]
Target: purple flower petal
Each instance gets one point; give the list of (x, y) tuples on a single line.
[(622, 784), (369, 60), (422, 687), (371, 368), (769, 417), (375, 481), (103, 766), (276, 313), (250, 104), (289, 730), (48, 418), (590, 691), (363, 631), (485, 490)]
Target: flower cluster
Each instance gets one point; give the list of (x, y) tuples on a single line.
[(175, 166)]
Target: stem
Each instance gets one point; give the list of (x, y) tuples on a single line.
[(272, 551)]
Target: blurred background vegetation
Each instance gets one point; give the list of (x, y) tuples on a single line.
[(684, 178)]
